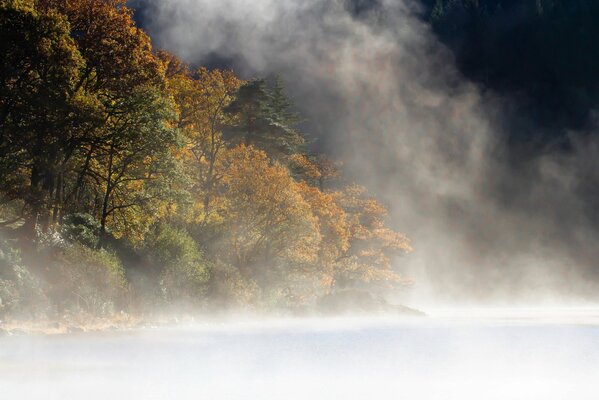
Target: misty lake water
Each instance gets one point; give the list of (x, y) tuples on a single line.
[(457, 357)]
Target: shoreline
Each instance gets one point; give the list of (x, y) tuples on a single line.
[(127, 322)]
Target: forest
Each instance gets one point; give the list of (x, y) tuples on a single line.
[(131, 182), (542, 55)]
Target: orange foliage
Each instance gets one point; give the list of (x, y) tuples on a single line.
[(118, 54), (372, 244), (201, 99), (265, 213), (333, 228)]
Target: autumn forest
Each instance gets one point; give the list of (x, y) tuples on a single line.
[(132, 182)]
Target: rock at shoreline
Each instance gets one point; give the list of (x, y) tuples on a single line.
[(74, 329)]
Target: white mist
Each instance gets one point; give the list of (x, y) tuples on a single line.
[(467, 356)]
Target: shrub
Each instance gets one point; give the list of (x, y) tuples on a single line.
[(20, 291), (81, 228), (228, 289), (92, 280), (50, 240), (183, 271)]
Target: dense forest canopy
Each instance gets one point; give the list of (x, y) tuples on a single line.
[(131, 180), (542, 54)]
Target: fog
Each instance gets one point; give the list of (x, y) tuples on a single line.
[(504, 356), (380, 92), (492, 228)]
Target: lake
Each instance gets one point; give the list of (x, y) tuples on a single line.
[(461, 355)]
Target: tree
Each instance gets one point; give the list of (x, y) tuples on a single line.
[(61, 88), (317, 170), (118, 167), (281, 106), (44, 114), (177, 261), (193, 173), (264, 120), (201, 99), (118, 54), (133, 164), (266, 217), (334, 231), (372, 245)]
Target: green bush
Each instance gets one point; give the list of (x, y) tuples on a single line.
[(182, 270), (228, 289), (81, 228), (20, 292), (90, 280)]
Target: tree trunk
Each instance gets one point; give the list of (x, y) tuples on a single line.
[(106, 198), (33, 202)]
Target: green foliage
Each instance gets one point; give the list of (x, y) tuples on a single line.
[(180, 264), (281, 106), (263, 118), (88, 280), (81, 228), (20, 292)]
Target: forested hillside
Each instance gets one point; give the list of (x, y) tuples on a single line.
[(543, 55), (130, 181)]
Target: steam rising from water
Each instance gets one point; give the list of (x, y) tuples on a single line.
[(382, 93), (438, 358)]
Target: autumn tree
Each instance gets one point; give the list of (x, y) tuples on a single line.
[(201, 98), (118, 55), (315, 169), (133, 164), (266, 217), (44, 113), (372, 245), (334, 233), (131, 140), (197, 174)]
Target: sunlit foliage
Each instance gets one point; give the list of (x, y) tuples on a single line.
[(139, 178), (265, 214)]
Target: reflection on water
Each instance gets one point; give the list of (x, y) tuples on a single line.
[(449, 356)]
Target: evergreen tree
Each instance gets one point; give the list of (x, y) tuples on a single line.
[(263, 119)]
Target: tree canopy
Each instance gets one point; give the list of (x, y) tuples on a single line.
[(542, 54), (124, 167)]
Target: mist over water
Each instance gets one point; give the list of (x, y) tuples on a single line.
[(500, 357), (491, 228), (380, 92)]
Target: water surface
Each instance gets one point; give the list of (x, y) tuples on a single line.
[(443, 357)]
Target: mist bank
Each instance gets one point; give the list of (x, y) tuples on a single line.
[(492, 218), (343, 358)]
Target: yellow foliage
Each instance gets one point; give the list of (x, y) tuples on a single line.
[(307, 168), (265, 211), (372, 244), (201, 98), (332, 223)]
